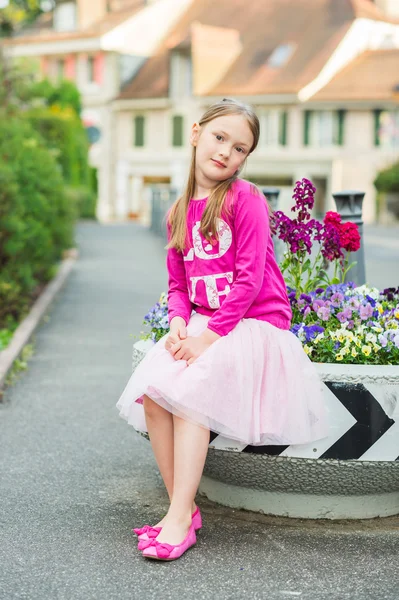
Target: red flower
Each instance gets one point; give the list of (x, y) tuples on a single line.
[(332, 218), (350, 237)]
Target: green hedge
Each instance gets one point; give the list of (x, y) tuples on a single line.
[(66, 137), (85, 201), (36, 216), (65, 94), (388, 180)]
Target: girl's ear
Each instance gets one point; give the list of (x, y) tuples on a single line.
[(195, 131)]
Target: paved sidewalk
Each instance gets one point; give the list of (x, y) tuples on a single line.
[(75, 478), (381, 245)]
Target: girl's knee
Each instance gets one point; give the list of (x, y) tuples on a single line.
[(151, 408)]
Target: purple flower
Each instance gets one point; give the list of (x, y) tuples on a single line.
[(382, 340), (389, 293), (311, 331), (354, 302), (324, 313), (331, 243), (318, 303), (307, 311), (306, 297), (319, 290), (304, 192), (351, 324), (396, 340), (344, 315), (337, 299), (365, 311)]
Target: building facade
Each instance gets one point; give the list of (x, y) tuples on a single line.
[(99, 45), (323, 81), (323, 77)]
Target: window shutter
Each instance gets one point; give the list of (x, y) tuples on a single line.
[(377, 119), (70, 64), (139, 131), (177, 134), (282, 137), (341, 127), (306, 127), (98, 68)]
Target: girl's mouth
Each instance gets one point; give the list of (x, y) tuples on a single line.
[(219, 164)]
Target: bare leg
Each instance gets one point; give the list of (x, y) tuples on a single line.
[(161, 432), (190, 449), (160, 429)]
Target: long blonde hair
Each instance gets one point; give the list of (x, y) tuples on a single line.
[(216, 203)]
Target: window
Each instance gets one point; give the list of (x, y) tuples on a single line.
[(323, 128), (177, 131), (386, 128), (180, 84), (273, 127), (280, 56), (91, 69), (65, 16), (139, 133)]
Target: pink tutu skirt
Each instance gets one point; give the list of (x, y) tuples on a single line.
[(256, 385)]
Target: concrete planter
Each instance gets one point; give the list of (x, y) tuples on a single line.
[(353, 473)]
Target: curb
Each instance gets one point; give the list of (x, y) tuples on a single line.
[(25, 330)]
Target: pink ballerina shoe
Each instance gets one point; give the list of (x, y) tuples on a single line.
[(147, 532), (162, 551)]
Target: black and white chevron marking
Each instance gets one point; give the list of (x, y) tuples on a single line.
[(364, 425)]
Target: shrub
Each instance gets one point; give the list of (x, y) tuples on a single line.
[(85, 201), (387, 180), (66, 137), (36, 217), (64, 95)]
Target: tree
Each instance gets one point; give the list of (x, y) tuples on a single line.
[(17, 13)]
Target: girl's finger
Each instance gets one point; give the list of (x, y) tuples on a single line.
[(183, 354), (179, 355), (190, 361), (183, 333), (175, 348)]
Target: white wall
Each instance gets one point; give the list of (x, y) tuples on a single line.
[(352, 166)]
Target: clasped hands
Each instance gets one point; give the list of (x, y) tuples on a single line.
[(188, 348)]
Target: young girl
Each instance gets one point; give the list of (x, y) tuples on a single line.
[(229, 363)]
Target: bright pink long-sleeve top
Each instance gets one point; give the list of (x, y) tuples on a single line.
[(238, 277)]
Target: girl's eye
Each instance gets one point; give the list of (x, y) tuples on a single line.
[(240, 149), (219, 137)]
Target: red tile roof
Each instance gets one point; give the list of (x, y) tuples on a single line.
[(373, 75), (313, 28), (42, 30)]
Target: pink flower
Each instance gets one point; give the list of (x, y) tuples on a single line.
[(318, 303), (332, 218), (365, 312), (350, 237), (324, 313)]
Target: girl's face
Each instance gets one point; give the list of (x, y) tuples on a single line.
[(222, 145)]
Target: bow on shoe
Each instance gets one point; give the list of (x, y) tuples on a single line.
[(162, 550), (150, 531)]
